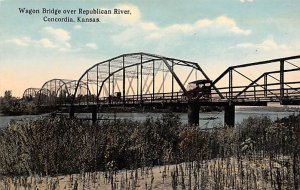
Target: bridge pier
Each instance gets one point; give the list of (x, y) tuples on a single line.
[(94, 114), (71, 111), (229, 115), (193, 113)]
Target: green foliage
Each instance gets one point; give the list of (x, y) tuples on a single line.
[(13, 106)]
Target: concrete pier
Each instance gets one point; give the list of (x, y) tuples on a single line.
[(229, 115), (71, 111), (193, 113), (94, 113)]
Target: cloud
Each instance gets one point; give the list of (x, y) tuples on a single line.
[(91, 45), (46, 43), (230, 24), (51, 38), (58, 33), (221, 22), (269, 44), (77, 27), (246, 1), (27, 41), (134, 30), (149, 31), (125, 19), (20, 41), (60, 38), (267, 48)]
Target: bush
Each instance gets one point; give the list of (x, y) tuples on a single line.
[(58, 145)]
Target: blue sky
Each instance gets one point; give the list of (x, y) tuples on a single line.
[(214, 33)]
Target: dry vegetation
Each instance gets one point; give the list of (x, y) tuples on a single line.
[(154, 154)]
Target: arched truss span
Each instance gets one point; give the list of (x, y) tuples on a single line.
[(58, 92), (30, 94), (137, 77)]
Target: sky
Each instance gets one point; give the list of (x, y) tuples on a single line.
[(214, 33)]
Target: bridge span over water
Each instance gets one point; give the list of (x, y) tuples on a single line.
[(148, 80)]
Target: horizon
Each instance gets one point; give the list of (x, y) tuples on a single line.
[(215, 35)]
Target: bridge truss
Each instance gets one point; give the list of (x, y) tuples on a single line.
[(149, 80), (55, 92), (137, 78), (276, 80)]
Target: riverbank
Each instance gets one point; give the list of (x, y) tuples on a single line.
[(223, 157), (226, 173)]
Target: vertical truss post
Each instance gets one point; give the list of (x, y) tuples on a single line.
[(265, 85), (137, 83), (109, 96), (141, 87), (153, 79), (254, 89), (55, 95), (163, 83), (230, 83), (172, 80), (281, 79), (113, 83), (97, 84), (87, 85), (124, 91)]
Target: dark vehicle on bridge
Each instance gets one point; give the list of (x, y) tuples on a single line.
[(114, 98), (199, 89)]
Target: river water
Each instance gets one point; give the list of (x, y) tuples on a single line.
[(207, 120)]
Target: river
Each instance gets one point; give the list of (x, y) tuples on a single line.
[(207, 120)]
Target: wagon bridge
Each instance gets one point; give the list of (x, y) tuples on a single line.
[(148, 80)]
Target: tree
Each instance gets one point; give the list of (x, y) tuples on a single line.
[(7, 95)]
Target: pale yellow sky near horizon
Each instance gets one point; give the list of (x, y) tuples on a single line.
[(216, 34)]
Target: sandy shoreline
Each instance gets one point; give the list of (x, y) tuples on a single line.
[(229, 173)]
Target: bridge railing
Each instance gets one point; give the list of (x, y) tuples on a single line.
[(144, 98), (270, 92)]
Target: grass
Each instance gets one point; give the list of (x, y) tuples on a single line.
[(257, 154)]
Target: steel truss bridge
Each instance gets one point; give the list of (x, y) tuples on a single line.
[(148, 80)]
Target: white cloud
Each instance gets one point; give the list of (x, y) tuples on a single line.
[(58, 33), (221, 22), (246, 1), (60, 38), (77, 27), (135, 29), (230, 24), (44, 42), (21, 41), (125, 19), (91, 45), (133, 17), (150, 31), (269, 44), (52, 38)]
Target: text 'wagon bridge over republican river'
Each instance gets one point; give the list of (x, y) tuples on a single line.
[(140, 80)]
